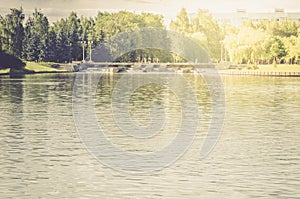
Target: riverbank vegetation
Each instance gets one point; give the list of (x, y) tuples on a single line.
[(34, 39), (37, 40), (33, 67), (261, 42), (42, 67)]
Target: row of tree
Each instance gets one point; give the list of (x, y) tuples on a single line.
[(262, 42), (37, 40)]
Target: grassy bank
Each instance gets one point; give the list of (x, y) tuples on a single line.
[(37, 67), (4, 71), (42, 67)]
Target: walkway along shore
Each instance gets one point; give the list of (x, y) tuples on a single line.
[(260, 73)]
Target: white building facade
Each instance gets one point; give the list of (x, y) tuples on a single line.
[(241, 15)]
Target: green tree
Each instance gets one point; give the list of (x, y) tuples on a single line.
[(108, 25), (284, 28), (153, 20), (276, 49), (35, 46), (63, 48), (202, 28), (182, 22), (248, 45), (51, 46), (295, 50), (87, 33), (73, 34), (12, 32), (31, 43), (203, 24)]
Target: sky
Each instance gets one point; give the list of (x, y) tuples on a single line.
[(55, 9)]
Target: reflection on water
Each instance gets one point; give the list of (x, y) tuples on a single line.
[(257, 155)]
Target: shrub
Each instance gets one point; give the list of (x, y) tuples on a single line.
[(10, 61)]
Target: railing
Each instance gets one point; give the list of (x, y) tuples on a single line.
[(261, 73), (144, 63)]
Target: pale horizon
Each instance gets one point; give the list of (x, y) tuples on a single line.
[(55, 9)]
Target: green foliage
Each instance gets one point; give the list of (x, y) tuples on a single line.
[(264, 42), (35, 41), (12, 32), (107, 25), (247, 45), (73, 35), (277, 49), (61, 41), (182, 22), (202, 28), (10, 61)]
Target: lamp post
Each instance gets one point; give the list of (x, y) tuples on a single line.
[(70, 53), (83, 45), (222, 43), (90, 45)]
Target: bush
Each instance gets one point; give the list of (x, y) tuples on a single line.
[(10, 61)]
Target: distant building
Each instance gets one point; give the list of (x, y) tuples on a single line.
[(242, 15)]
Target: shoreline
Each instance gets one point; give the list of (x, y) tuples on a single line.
[(280, 70), (37, 68), (284, 70), (260, 73)]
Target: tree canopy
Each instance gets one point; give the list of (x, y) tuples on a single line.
[(35, 39), (264, 42), (202, 28), (62, 41)]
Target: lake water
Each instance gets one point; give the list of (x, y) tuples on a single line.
[(257, 155)]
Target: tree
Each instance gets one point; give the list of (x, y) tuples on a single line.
[(108, 25), (35, 43), (276, 49), (284, 28), (73, 24), (204, 24), (62, 44), (248, 45), (51, 46), (182, 22), (203, 28), (152, 20), (13, 32), (31, 43), (294, 50), (1, 31)]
